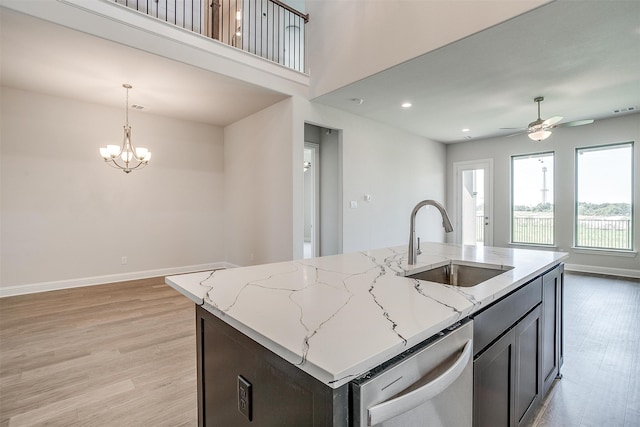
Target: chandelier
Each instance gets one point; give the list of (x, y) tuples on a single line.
[(126, 157)]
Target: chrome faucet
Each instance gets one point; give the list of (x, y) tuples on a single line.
[(446, 223)]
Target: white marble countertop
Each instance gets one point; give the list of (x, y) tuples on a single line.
[(337, 317)]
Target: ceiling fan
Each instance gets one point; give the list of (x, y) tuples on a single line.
[(539, 130)]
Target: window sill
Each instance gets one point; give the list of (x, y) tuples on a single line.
[(610, 252), (533, 245)]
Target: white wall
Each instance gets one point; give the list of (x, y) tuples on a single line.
[(264, 182), (563, 142), (352, 39), (396, 168), (258, 185), (69, 218)]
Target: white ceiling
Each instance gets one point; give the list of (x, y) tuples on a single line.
[(582, 56), (40, 56)]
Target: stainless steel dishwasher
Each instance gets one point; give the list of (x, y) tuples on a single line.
[(429, 385)]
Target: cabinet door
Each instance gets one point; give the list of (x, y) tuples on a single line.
[(493, 385), (551, 326), (528, 381)]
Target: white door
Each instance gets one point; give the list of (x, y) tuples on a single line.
[(473, 187), (311, 244)]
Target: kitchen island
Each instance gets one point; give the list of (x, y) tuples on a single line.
[(335, 318)]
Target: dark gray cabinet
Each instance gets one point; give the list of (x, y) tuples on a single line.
[(527, 388), (507, 365), (507, 376), (518, 350), (552, 325), (241, 383), (493, 391)]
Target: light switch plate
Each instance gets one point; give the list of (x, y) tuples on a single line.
[(354, 204)]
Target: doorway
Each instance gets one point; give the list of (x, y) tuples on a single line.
[(473, 186), (322, 191), (311, 246)]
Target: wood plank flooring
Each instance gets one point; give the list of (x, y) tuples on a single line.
[(601, 373), (110, 355), (124, 355)]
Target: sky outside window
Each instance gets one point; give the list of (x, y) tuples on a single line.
[(533, 177), (604, 174)]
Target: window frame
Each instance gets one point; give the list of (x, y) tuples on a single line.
[(551, 153), (632, 225)]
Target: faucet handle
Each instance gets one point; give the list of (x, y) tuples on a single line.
[(418, 251)]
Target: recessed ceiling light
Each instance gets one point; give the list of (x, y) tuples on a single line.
[(466, 130), (357, 101), (406, 105)]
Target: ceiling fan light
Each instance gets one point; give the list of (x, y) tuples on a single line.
[(540, 135)]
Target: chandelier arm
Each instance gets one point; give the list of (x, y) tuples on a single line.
[(113, 164), (116, 165)]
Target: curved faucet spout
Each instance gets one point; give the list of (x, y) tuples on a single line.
[(446, 223)]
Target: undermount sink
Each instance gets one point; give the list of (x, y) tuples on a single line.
[(463, 275)]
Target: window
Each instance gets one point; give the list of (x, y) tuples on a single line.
[(604, 197), (532, 203)]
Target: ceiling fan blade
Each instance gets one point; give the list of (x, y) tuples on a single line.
[(517, 133), (576, 123), (552, 121), (512, 128)]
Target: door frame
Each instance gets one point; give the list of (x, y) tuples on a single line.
[(458, 168)]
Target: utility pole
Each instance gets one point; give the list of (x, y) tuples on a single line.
[(544, 190)]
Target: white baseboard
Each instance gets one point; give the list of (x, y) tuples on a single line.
[(622, 272), (111, 278)]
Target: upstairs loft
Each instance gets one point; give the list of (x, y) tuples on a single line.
[(270, 29), (123, 25)]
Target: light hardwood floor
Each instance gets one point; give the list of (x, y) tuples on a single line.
[(110, 355), (124, 355)]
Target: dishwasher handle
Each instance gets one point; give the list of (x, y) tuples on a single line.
[(391, 408)]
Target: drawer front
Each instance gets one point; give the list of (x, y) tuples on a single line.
[(492, 322)]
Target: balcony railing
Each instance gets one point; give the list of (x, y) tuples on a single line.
[(591, 232), (268, 28), (604, 233), (534, 230)]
